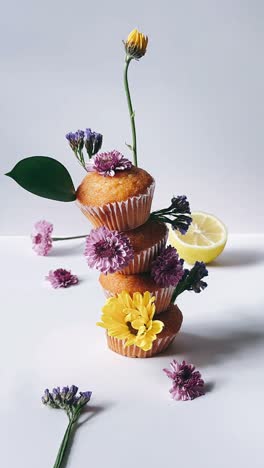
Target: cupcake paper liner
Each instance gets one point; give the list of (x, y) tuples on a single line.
[(121, 216), (163, 340), (163, 298), (142, 261)]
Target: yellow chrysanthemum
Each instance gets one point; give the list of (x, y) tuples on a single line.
[(136, 44), (131, 319)]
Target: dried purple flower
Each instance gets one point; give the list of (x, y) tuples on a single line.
[(167, 270), (192, 280), (107, 164), (187, 382), (76, 140), (41, 238), (61, 278), (177, 214), (108, 251), (93, 142), (195, 276)]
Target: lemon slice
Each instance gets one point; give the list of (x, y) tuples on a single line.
[(204, 240)]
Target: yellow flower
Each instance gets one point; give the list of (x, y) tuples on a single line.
[(136, 44), (131, 319)]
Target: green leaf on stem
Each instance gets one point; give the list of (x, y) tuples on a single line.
[(45, 177)]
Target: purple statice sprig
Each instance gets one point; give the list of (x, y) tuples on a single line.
[(61, 278), (167, 268), (187, 382), (191, 280), (91, 141), (108, 164), (72, 403), (108, 251), (178, 214)]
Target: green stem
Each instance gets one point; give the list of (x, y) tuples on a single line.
[(64, 444), (131, 111), (68, 238)]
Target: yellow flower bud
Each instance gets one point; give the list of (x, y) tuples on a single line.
[(136, 44)]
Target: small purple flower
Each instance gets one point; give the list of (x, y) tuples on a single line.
[(107, 164), (187, 382), (66, 398), (108, 251), (167, 269), (61, 278), (180, 204), (76, 140), (41, 237), (93, 142), (194, 277)]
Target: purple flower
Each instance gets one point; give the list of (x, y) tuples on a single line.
[(108, 251), (93, 142), (66, 398), (76, 140), (177, 214), (167, 269), (107, 164), (187, 382), (41, 237), (61, 278)]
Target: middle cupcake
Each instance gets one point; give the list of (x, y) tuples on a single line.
[(147, 241), (115, 283)]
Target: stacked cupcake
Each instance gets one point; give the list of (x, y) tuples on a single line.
[(128, 247)]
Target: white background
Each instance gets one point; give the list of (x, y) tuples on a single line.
[(198, 96)]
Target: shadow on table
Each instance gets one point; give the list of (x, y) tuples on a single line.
[(62, 249), (204, 351), (239, 257), (88, 413)]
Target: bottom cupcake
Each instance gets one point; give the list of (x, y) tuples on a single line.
[(172, 319)]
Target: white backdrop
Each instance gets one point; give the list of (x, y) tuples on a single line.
[(198, 95)]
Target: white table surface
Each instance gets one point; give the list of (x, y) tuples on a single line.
[(49, 338)]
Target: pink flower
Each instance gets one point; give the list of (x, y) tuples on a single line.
[(108, 251), (41, 238), (187, 382), (61, 278), (107, 164)]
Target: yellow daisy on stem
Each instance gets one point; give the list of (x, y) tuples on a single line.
[(135, 47), (131, 319)]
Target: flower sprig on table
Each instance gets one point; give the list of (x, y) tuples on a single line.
[(73, 405), (42, 239)]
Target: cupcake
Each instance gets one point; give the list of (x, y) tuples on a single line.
[(147, 242), (172, 319), (115, 283), (121, 201)]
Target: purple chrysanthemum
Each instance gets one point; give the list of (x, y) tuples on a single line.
[(108, 251), (41, 238), (167, 269), (61, 278), (187, 382), (107, 164)]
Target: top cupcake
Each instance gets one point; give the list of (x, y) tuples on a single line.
[(97, 190)]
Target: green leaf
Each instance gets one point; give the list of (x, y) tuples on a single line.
[(129, 146), (44, 177)]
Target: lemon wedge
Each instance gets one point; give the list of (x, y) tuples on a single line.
[(204, 240)]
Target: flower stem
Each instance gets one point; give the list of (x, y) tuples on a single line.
[(131, 111), (64, 444), (68, 238)]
